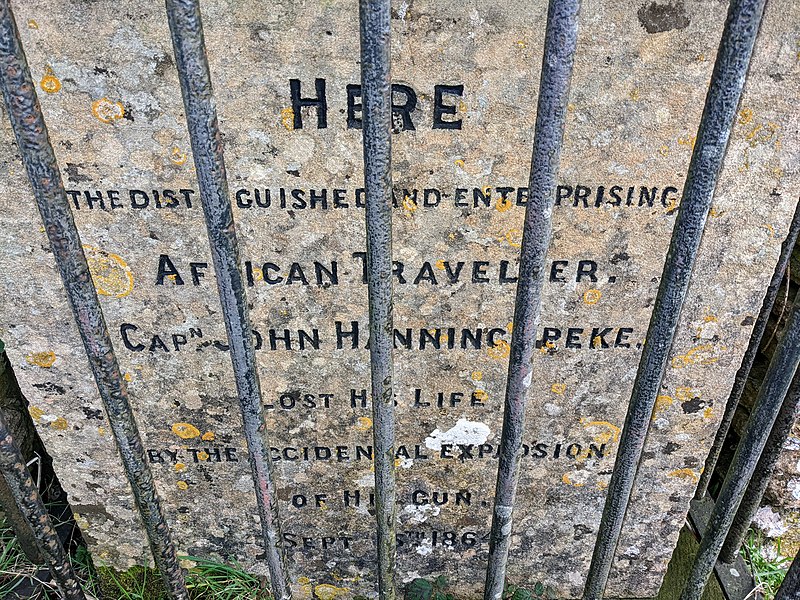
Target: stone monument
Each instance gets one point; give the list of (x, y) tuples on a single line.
[(286, 79)]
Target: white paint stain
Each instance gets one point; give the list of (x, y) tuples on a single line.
[(463, 432)]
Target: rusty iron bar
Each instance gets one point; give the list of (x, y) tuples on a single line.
[(790, 588), (560, 42), (201, 117), (768, 403), (750, 355), (27, 121), (375, 29), (763, 473), (29, 503), (722, 100)]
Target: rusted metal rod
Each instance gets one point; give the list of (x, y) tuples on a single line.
[(750, 355), (770, 397), (201, 116), (790, 588), (26, 497), (376, 92), (30, 130), (722, 100), (763, 473), (556, 73)]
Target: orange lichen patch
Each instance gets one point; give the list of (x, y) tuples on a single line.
[(363, 424), (409, 204), (202, 455), (565, 479), (179, 467), (715, 212), (608, 432), (558, 388), (504, 204), (763, 133), (177, 156), (672, 204), (459, 163), (127, 377), (208, 436), (50, 83), (684, 474), (477, 375), (509, 327), (688, 141), (548, 345), (182, 485), (708, 412), (601, 485), (520, 44), (686, 393), (287, 118), (745, 116), (107, 111), (663, 150), (500, 350), (101, 431), (185, 431), (44, 359), (110, 273), (701, 354), (662, 403), (60, 424), (439, 264), (481, 395), (35, 412), (326, 591), (634, 95), (32, 24), (514, 238), (770, 229), (592, 296)]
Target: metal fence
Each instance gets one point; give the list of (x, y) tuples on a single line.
[(777, 398)]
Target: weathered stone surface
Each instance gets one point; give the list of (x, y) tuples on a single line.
[(110, 94)]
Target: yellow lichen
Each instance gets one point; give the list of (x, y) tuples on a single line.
[(110, 273), (44, 359), (107, 111), (60, 424), (185, 431)]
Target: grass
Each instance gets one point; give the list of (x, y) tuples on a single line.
[(766, 563), (206, 579)]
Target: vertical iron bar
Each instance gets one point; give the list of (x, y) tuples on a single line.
[(201, 117), (750, 355), (722, 100), (30, 130), (770, 397), (560, 42), (763, 473), (790, 588), (377, 131), (29, 503)]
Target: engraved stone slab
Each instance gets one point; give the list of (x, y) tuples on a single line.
[(466, 76)]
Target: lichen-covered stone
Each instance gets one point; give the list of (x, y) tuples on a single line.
[(110, 94)]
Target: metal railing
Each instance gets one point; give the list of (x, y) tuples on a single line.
[(724, 92)]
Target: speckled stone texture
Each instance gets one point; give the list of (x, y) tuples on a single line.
[(110, 95)]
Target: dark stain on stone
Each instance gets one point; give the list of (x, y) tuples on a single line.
[(747, 321), (619, 257), (657, 18), (92, 413), (580, 531), (671, 447), (694, 405), (50, 388), (73, 174)]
